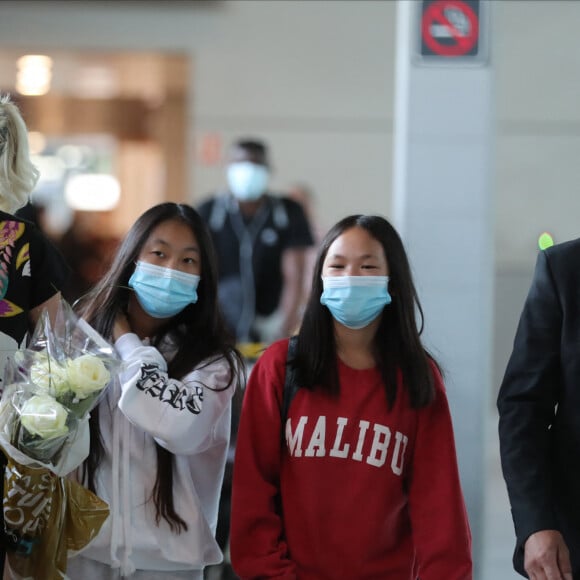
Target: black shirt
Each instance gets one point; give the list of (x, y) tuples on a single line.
[(250, 254), (31, 271)]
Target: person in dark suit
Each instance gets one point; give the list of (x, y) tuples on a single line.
[(539, 420)]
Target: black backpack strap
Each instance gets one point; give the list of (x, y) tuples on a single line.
[(290, 387), (218, 212)]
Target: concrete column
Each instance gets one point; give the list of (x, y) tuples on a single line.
[(442, 207)]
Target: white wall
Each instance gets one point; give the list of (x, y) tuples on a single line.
[(537, 57), (314, 78)]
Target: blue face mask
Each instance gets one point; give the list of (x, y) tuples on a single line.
[(355, 301), (247, 181), (163, 292)]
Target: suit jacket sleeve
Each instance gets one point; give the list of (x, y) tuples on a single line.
[(526, 404)]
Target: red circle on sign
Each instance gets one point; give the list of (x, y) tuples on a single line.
[(435, 15)]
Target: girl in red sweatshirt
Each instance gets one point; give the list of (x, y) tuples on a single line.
[(358, 479)]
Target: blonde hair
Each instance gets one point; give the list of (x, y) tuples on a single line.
[(18, 175)]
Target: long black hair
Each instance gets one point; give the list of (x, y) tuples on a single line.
[(397, 345), (197, 331)]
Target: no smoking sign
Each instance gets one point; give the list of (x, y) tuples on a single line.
[(450, 29)]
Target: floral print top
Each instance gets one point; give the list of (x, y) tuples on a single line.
[(32, 270)]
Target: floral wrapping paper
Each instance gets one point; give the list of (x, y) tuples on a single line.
[(51, 388), (57, 515)]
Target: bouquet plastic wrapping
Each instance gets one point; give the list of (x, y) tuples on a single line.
[(50, 389)]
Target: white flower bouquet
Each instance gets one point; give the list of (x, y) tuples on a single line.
[(51, 388)]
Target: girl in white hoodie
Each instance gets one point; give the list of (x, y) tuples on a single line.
[(159, 438)]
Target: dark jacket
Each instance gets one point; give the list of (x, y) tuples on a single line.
[(539, 405)]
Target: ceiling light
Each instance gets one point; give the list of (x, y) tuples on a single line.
[(92, 192), (34, 74)]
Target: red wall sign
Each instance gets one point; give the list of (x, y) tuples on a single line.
[(450, 28)]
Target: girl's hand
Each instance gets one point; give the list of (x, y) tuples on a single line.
[(121, 326)]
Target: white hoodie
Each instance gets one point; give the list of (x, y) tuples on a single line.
[(188, 418)]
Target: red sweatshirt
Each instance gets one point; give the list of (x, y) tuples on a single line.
[(366, 493)]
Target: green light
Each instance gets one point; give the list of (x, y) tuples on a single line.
[(545, 241)]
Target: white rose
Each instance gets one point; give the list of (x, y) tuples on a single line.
[(43, 416), (49, 375), (87, 374)]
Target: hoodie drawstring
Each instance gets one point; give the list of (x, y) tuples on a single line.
[(128, 567), (115, 563)]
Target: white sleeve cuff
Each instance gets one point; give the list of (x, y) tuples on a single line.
[(126, 344)]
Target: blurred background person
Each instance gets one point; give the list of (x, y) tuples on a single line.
[(87, 250), (261, 240), (88, 254), (304, 195)]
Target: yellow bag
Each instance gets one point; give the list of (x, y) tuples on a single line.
[(57, 515)]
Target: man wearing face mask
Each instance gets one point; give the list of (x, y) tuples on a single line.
[(261, 241)]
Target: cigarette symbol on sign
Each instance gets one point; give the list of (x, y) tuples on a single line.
[(449, 28), (457, 25)]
